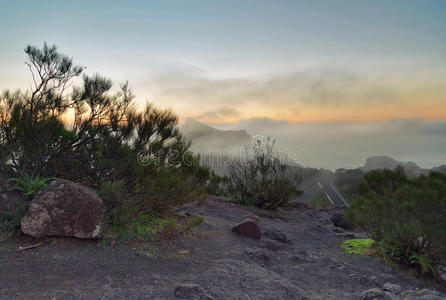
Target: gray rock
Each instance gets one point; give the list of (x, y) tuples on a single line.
[(65, 209), (362, 279), (424, 294), (390, 296), (276, 235), (188, 291), (373, 294), (339, 221), (338, 230), (270, 245), (441, 271), (300, 259), (346, 235), (392, 288), (260, 254)]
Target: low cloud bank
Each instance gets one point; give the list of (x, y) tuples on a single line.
[(348, 145)]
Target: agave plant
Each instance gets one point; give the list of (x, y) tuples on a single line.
[(29, 185)]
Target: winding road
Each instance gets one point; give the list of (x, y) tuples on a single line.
[(332, 193)]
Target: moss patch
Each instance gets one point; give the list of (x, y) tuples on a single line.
[(358, 246)]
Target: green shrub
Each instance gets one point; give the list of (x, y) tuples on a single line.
[(423, 263), (320, 202), (147, 227), (261, 178), (216, 185), (10, 221), (12, 212), (242, 200), (192, 222), (406, 216), (112, 193)]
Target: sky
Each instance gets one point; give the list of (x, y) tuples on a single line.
[(228, 61), (351, 78)]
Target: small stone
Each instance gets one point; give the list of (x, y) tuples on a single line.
[(259, 254), (424, 294), (299, 259), (441, 271), (362, 279), (188, 291), (272, 246), (373, 294), (339, 221), (346, 235), (276, 235), (392, 288), (248, 228), (338, 230)]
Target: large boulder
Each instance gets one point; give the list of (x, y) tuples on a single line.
[(65, 209)]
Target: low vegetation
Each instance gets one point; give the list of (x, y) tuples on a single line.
[(261, 179), (405, 216), (320, 202), (30, 186), (358, 246), (347, 181), (134, 157)]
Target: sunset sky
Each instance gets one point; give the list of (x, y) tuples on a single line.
[(230, 61)]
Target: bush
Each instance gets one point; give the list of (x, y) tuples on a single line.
[(347, 182), (406, 216), (14, 201), (261, 179), (10, 220), (192, 222), (134, 158)]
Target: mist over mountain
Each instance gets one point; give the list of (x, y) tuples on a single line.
[(206, 138), (348, 144)]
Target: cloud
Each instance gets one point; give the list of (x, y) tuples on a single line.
[(348, 144), (305, 95), (219, 113), (416, 126)]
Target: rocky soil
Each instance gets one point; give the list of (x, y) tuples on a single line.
[(298, 257)]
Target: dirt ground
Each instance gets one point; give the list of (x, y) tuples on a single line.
[(210, 263)]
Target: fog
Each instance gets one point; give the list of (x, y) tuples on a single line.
[(348, 145)]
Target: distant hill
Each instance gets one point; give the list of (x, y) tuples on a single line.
[(386, 162), (441, 169), (205, 137)]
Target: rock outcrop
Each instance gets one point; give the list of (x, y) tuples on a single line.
[(65, 209)]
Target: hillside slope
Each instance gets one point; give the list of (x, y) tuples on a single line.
[(210, 263)]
